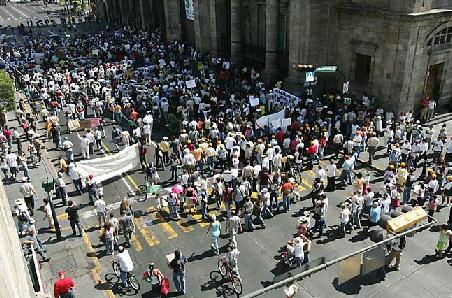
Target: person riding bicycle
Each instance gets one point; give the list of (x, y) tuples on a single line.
[(125, 264), (128, 226), (232, 257)]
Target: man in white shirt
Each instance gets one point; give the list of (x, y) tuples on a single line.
[(84, 144), (331, 175), (28, 191), (125, 264), (11, 162), (437, 150), (338, 140), (68, 148), (101, 211)]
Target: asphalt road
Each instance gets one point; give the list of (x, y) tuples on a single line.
[(14, 13), (259, 250)]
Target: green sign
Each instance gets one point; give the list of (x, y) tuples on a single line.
[(326, 69)]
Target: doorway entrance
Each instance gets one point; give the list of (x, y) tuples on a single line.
[(362, 69), (433, 83)]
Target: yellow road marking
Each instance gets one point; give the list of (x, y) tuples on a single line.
[(157, 217), (147, 235), (199, 220), (301, 188), (62, 216), (135, 243), (305, 182), (311, 173)]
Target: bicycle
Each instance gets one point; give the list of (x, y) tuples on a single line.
[(229, 274), (145, 190), (131, 280)]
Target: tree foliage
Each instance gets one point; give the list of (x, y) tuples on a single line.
[(7, 96)]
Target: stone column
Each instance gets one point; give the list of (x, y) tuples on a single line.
[(235, 32), (299, 31), (202, 24), (142, 14), (172, 19), (213, 28), (122, 12), (271, 41)]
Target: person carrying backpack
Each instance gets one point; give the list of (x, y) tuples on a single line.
[(128, 226)]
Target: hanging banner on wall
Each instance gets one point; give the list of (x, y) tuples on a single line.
[(189, 10)]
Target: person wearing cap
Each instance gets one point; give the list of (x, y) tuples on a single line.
[(32, 239), (64, 286)]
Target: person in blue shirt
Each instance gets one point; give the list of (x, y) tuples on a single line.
[(374, 214)]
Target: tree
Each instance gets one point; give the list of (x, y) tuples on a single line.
[(7, 93)]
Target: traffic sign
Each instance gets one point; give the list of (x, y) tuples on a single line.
[(326, 69)]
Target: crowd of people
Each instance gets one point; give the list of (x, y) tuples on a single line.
[(217, 150)]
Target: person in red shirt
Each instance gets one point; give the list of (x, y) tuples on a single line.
[(286, 189), (63, 288)]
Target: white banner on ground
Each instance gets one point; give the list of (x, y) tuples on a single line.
[(110, 166), (267, 120)]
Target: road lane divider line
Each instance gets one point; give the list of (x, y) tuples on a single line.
[(305, 182)]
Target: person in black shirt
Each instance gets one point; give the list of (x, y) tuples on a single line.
[(178, 267), (74, 219)]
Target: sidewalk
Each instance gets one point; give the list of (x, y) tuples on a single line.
[(72, 254)]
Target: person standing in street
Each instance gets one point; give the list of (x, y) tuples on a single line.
[(61, 188), (11, 161), (101, 211), (215, 230), (28, 191), (395, 251), (74, 219), (63, 287), (32, 239), (76, 178), (178, 267)]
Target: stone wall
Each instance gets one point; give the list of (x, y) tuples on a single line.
[(14, 278)]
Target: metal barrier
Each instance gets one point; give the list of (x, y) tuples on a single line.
[(314, 270)]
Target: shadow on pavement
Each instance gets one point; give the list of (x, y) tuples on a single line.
[(353, 286), (217, 283)]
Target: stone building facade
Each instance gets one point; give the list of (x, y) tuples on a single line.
[(398, 50)]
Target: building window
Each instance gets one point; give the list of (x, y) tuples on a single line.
[(362, 69), (442, 37)]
